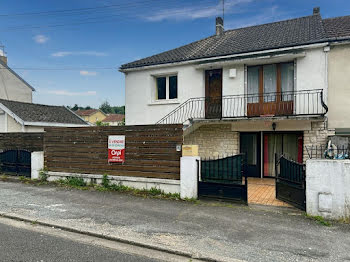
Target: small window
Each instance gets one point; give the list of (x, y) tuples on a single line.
[(166, 88), (172, 87), (161, 88)]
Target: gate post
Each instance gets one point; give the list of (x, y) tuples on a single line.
[(189, 177), (37, 164)]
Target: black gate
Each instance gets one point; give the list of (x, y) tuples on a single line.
[(223, 178), (290, 182), (16, 162)]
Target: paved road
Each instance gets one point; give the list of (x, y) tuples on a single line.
[(206, 229), (18, 244)]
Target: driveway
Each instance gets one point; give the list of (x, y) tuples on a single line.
[(207, 230)]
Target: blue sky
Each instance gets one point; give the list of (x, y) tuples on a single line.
[(124, 31)]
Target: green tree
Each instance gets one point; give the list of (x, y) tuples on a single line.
[(106, 108)]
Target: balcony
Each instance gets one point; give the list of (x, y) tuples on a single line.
[(286, 104)]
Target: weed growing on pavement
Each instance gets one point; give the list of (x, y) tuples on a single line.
[(43, 175), (76, 182), (4, 178), (319, 220)]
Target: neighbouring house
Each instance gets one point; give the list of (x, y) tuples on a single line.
[(276, 88), (12, 86), (114, 119), (28, 117), (91, 115)]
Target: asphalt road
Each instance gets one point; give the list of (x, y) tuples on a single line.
[(17, 244)]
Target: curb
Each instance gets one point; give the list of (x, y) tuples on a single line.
[(116, 239)]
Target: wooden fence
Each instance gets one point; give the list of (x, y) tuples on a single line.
[(22, 141), (150, 151)]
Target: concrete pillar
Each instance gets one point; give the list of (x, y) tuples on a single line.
[(189, 177), (37, 163)]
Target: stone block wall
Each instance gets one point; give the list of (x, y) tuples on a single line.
[(214, 140), (317, 136)]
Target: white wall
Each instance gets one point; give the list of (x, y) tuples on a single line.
[(311, 75), (12, 88), (328, 188), (140, 85), (3, 121)]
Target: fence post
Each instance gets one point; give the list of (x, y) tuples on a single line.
[(189, 177), (37, 163)]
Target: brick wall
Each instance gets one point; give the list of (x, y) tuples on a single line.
[(214, 140)]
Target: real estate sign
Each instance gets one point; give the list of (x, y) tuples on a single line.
[(116, 149)]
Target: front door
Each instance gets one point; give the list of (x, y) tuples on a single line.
[(250, 146), (213, 94)]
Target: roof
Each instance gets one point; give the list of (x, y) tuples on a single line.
[(16, 75), (114, 118), (29, 112), (293, 32), (337, 27), (87, 112)]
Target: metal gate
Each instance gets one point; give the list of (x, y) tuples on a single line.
[(223, 178), (16, 162), (290, 182)]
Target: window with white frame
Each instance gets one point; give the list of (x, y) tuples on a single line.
[(166, 87)]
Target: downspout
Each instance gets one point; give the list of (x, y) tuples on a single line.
[(326, 49)]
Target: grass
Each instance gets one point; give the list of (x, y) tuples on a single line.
[(320, 220)]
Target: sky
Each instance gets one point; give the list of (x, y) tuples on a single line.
[(70, 50)]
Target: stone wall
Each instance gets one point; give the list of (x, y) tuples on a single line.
[(214, 140), (317, 136)]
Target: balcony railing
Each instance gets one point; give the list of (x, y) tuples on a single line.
[(294, 103)]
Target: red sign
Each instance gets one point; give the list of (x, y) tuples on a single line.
[(116, 149)]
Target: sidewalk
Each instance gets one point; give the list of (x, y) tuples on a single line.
[(205, 230)]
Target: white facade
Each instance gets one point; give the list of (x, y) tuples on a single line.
[(12, 87), (140, 86)]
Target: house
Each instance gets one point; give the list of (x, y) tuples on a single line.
[(12, 86), (91, 115), (276, 88), (114, 119), (338, 30), (28, 117)]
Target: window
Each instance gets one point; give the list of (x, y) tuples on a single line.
[(161, 88), (269, 81), (166, 87), (172, 87), (287, 81), (253, 84)]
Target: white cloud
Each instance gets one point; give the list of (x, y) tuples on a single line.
[(81, 53), (68, 93), (268, 15), (88, 73), (41, 39), (187, 13)]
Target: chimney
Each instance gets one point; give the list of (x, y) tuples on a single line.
[(3, 56), (316, 10), (219, 26)]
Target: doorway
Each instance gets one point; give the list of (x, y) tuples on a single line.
[(287, 144), (213, 94), (250, 145)]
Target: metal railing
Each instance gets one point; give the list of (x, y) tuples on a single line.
[(325, 152), (305, 102)]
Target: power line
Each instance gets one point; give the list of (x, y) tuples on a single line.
[(101, 19), (60, 69)]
